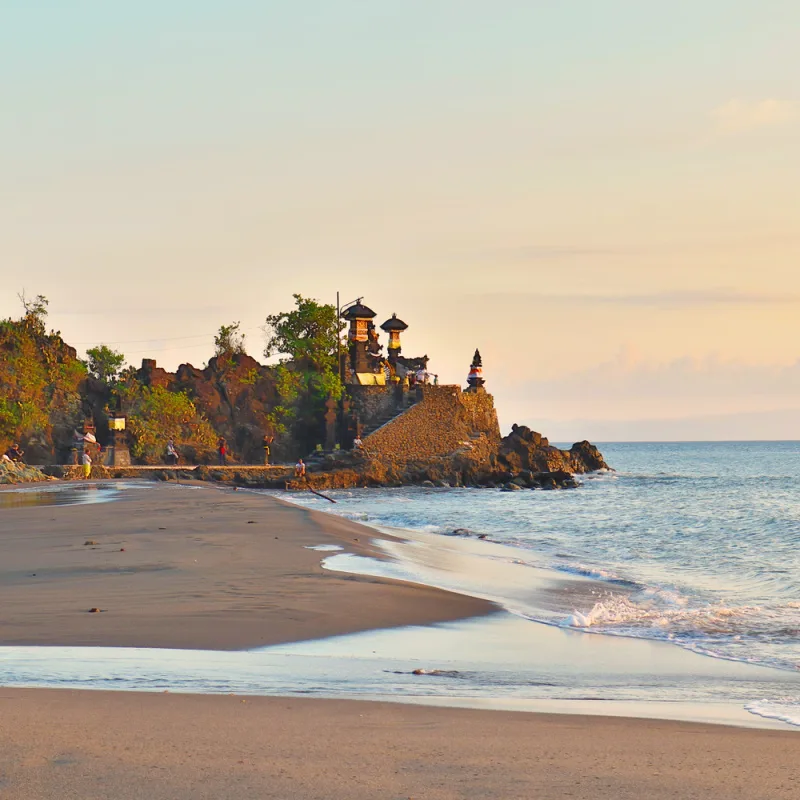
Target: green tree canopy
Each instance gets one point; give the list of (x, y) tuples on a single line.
[(308, 334), (104, 363), (307, 341)]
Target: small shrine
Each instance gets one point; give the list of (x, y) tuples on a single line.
[(394, 327), (475, 381)]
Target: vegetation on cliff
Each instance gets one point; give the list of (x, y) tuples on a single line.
[(157, 415), (41, 380)]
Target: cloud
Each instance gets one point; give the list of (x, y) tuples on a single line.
[(633, 398), (740, 116), (700, 298)]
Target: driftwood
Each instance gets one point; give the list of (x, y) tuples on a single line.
[(319, 494), (313, 491)]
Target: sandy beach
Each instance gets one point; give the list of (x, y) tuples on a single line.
[(193, 567), (202, 567), (99, 745)]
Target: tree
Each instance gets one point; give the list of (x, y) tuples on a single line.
[(39, 382), (35, 313), (104, 363), (229, 341), (307, 341), (309, 337), (158, 415)]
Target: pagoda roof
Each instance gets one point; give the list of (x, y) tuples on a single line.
[(358, 311), (394, 324)]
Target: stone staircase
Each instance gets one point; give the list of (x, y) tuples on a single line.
[(380, 422)]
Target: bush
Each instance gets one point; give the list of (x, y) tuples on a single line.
[(158, 415)]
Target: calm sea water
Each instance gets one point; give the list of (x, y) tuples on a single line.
[(695, 543)]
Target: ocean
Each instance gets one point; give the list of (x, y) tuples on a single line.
[(694, 544)]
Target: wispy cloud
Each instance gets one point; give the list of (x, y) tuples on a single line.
[(699, 298), (739, 115)]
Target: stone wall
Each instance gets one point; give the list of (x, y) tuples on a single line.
[(243, 475), (371, 403), (443, 420)]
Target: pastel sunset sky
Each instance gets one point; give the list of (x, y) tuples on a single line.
[(602, 195)]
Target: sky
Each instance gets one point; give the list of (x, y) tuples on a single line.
[(602, 195)]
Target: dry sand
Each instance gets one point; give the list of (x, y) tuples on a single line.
[(102, 745), (202, 568)]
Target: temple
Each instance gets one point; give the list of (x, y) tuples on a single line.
[(381, 387)]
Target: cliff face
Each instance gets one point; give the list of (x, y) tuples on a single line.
[(235, 393)]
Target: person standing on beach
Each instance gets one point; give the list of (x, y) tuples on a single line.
[(267, 442), (172, 453), (222, 450), (86, 460)]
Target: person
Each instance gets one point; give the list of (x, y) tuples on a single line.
[(357, 443), (300, 469), (86, 460), (267, 442), (172, 453), (14, 453), (435, 380), (222, 450)]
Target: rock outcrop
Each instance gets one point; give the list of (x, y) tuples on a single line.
[(522, 460), (21, 473), (524, 449), (236, 394)]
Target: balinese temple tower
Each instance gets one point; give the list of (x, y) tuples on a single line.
[(475, 377), (363, 344), (394, 327)]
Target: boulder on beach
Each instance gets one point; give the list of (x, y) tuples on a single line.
[(13, 472)]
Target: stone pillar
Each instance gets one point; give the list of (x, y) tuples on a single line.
[(330, 424)]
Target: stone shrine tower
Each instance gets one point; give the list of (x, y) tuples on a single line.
[(362, 341), (475, 377), (394, 327)]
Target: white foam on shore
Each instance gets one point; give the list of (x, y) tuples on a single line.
[(784, 710), (324, 548)]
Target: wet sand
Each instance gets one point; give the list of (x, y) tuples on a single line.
[(100, 745), (193, 567)]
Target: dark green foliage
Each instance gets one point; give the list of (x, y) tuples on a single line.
[(307, 339), (104, 363)]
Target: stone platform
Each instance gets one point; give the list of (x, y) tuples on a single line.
[(239, 474)]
